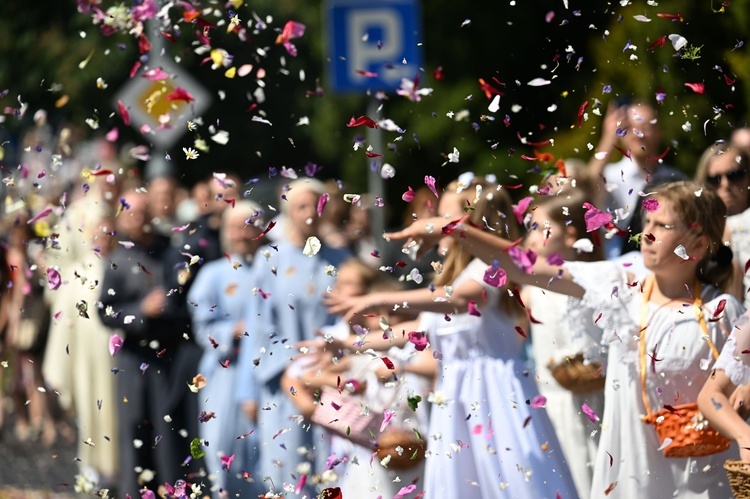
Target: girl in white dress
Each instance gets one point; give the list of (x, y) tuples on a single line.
[(564, 329), (681, 245), (718, 400), (487, 438)]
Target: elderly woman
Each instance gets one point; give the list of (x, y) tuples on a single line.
[(219, 299), (291, 279)]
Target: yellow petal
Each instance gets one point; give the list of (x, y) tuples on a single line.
[(217, 57), (230, 72)]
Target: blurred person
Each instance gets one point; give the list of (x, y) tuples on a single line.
[(194, 204), (217, 302), (564, 331), (423, 205), (376, 386), (28, 329), (291, 279), (334, 216), (725, 169), (358, 230), (134, 300), (634, 129), (162, 200), (77, 361), (741, 138)]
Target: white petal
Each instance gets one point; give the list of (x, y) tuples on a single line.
[(312, 246), (538, 82), (642, 19), (681, 252), (677, 41), (495, 104), (584, 245)]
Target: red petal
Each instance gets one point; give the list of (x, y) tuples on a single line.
[(371, 154), (658, 43), (135, 68), (581, 110), (144, 46), (123, 112), (520, 331), (362, 120), (728, 80), (698, 88), (388, 363)]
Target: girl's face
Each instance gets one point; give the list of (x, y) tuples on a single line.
[(546, 237), (450, 208), (730, 181), (663, 232), (349, 282)]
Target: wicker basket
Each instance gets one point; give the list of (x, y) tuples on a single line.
[(738, 473), (691, 434), (412, 449), (574, 375)]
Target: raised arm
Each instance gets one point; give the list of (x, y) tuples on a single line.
[(488, 247)]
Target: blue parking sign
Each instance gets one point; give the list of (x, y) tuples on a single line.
[(372, 44)]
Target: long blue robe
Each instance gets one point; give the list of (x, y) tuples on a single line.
[(217, 300), (287, 310)]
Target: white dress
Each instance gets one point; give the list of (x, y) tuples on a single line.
[(485, 440), (637, 468), (734, 360), (566, 330)]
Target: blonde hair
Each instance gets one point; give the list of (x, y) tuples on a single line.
[(703, 211), (566, 209), (487, 205)]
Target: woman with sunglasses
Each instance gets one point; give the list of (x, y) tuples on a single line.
[(723, 168)]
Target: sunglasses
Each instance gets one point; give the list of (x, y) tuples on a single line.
[(732, 176)]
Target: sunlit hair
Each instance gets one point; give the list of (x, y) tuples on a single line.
[(702, 211), (566, 209), (488, 207), (293, 188)]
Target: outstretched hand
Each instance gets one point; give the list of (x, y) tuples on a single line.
[(420, 236)]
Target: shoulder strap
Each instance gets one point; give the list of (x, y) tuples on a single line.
[(697, 303)]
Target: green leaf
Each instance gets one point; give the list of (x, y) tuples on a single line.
[(413, 402), (195, 449)]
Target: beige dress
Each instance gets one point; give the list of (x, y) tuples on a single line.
[(77, 362)]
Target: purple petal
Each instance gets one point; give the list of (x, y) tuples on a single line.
[(115, 344)]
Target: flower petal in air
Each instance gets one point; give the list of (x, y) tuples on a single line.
[(594, 218), (115, 344)]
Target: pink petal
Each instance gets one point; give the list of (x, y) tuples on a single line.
[(418, 339), (538, 402), (387, 417), (300, 483), (430, 182), (650, 205), (520, 208), (495, 276), (405, 491), (589, 412), (555, 259), (54, 280), (473, 310), (698, 88), (115, 344), (322, 201), (408, 196), (595, 219), (41, 215)]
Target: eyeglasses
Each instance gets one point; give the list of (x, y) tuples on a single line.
[(732, 176)]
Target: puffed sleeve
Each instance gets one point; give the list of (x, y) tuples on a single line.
[(734, 359)]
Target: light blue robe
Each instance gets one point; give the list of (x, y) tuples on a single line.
[(217, 300), (293, 286)]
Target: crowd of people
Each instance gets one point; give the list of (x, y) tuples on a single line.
[(206, 342)]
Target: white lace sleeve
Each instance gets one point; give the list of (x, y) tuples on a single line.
[(734, 359), (606, 295)]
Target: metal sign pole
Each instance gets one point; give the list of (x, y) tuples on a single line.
[(375, 183)]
